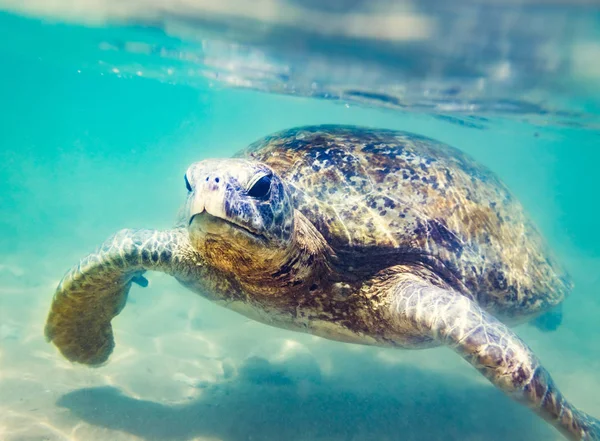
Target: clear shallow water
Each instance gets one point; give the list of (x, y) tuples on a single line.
[(86, 150), (534, 60)]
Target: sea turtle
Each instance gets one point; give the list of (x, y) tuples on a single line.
[(361, 235)]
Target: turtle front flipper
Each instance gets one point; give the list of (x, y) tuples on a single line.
[(91, 294), (423, 313)]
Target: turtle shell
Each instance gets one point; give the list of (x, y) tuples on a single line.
[(382, 198)]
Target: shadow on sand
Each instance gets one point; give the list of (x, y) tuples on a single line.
[(261, 403)]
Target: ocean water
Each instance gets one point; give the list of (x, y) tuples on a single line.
[(104, 105)]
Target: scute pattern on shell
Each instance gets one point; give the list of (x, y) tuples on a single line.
[(383, 197)]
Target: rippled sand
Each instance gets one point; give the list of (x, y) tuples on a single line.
[(185, 369)]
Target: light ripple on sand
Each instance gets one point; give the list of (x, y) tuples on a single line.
[(176, 349)]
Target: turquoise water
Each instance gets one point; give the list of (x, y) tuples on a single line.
[(87, 150)]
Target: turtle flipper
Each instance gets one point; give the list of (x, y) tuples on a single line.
[(549, 321), (594, 434), (140, 280), (91, 294), (429, 314)]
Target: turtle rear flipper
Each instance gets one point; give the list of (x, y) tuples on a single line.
[(549, 321), (91, 294)]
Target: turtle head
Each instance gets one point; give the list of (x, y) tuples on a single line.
[(238, 211)]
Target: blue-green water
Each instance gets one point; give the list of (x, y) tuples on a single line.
[(86, 151)]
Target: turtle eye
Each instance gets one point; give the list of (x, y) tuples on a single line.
[(261, 188), (187, 183)]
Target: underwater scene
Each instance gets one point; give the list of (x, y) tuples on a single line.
[(292, 220)]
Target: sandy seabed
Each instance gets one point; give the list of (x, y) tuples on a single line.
[(185, 369)]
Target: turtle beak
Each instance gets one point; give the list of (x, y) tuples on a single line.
[(208, 197), (196, 207), (202, 221)]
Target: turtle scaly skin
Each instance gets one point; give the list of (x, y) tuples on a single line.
[(358, 235)]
